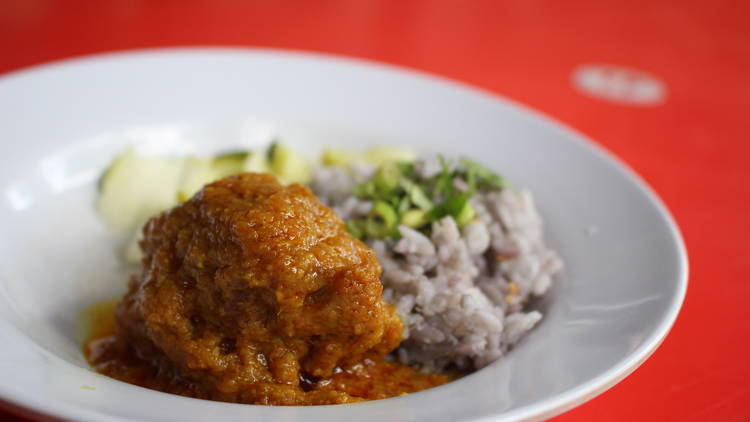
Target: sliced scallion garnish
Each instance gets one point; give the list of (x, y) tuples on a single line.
[(402, 197)]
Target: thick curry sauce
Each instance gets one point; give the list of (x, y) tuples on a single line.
[(253, 292), (367, 380)]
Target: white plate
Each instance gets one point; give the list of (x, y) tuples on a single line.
[(626, 268)]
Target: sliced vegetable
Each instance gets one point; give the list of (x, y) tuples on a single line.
[(416, 195), (466, 215), (132, 252), (271, 151), (196, 173), (407, 169), (387, 178), (452, 206), (337, 157), (355, 228), (230, 163), (480, 176), (365, 190), (287, 165), (136, 187), (382, 220), (416, 201), (442, 183), (414, 218), (381, 155), (404, 205), (375, 156), (256, 162)]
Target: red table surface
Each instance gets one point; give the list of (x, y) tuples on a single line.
[(692, 147)]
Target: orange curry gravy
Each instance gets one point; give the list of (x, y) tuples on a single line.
[(367, 380), (253, 292)]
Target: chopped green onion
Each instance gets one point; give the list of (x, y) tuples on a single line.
[(382, 221), (393, 200), (450, 207), (355, 228), (404, 205), (365, 190), (471, 179), (402, 196), (482, 176), (387, 177), (444, 163), (466, 215), (414, 218), (443, 183), (407, 169), (415, 194), (419, 198)]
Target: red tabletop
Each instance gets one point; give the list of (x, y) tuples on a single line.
[(680, 116)]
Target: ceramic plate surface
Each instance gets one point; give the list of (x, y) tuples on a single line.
[(60, 125)]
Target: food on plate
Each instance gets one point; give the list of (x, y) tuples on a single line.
[(372, 156), (136, 187), (256, 289), (462, 254), (253, 292)]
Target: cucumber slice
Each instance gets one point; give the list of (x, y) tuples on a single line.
[(230, 163), (288, 166), (376, 156), (132, 251), (135, 188), (196, 173), (381, 155), (256, 162), (414, 218), (338, 157)]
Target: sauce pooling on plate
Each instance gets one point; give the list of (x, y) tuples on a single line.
[(253, 292)]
